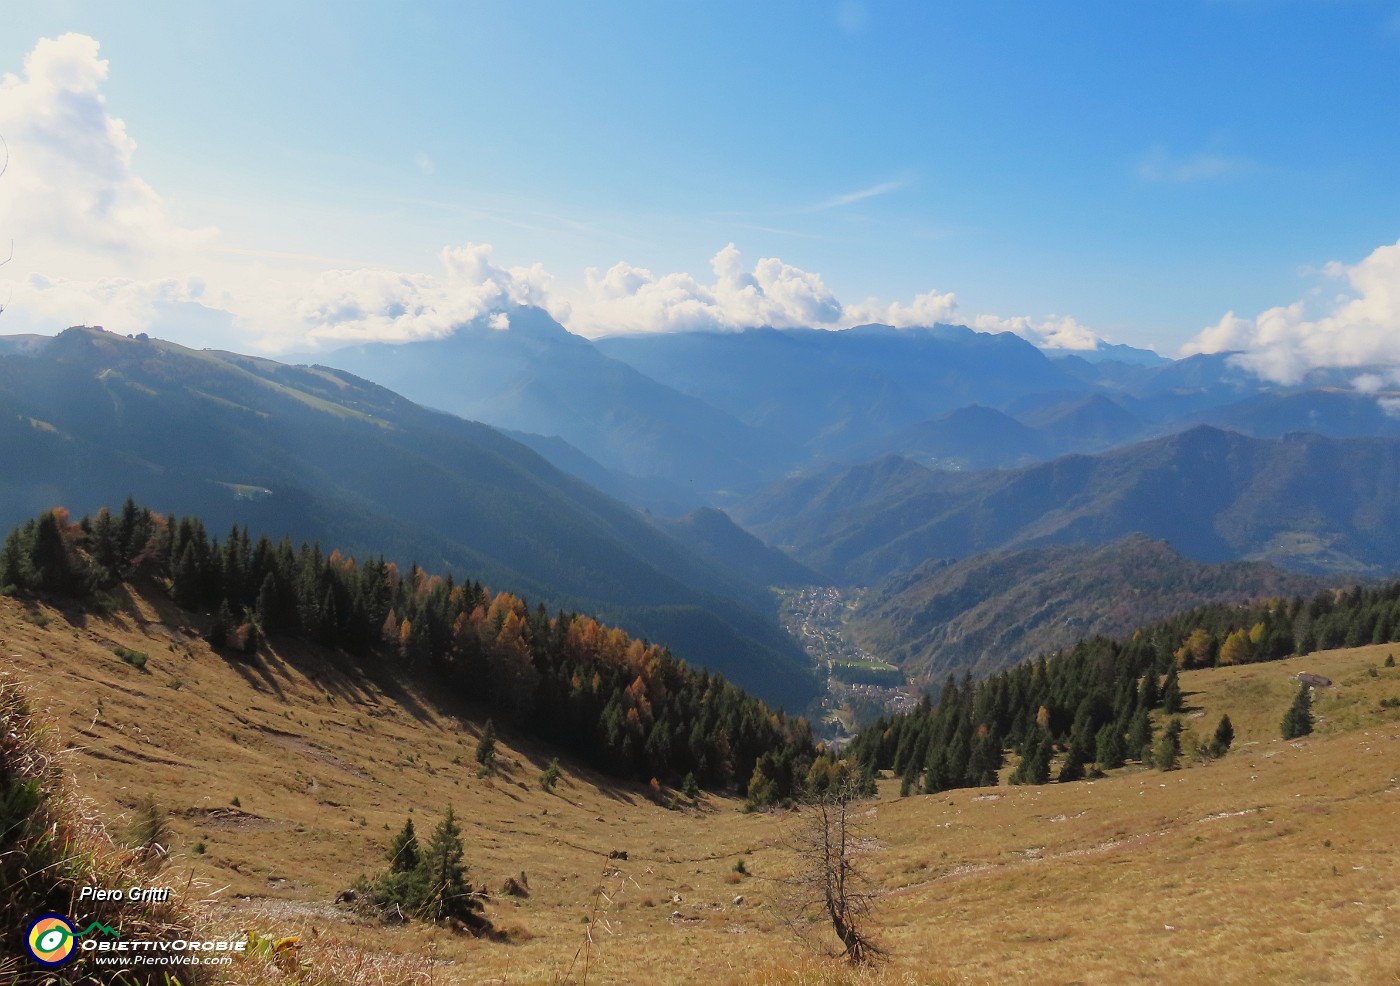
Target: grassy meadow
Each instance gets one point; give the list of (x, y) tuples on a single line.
[(285, 779)]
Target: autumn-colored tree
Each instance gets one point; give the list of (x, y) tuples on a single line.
[(1237, 648), (1196, 650)]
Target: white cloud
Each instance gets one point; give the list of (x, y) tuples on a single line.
[(1161, 166), (369, 304), (1051, 332), (929, 308), (633, 299), (119, 304), (1358, 327), (861, 194), (628, 299), (109, 252), (70, 184)]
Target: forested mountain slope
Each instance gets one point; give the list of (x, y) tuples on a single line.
[(989, 612), (323, 455), (1303, 501)]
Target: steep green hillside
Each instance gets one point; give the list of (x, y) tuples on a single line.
[(1304, 502), (323, 455), (989, 612), (711, 534)]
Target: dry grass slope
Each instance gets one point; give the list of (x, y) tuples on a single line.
[(1277, 864)]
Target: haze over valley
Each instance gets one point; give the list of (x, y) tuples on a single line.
[(838, 493)]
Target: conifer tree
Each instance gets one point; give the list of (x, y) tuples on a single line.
[(1140, 736), (486, 750), (1298, 721), (1224, 736), (1071, 770), (1167, 754), (1034, 767), (219, 629), (447, 874), (1108, 747), (15, 572), (550, 775), (1172, 701), (404, 854), (1147, 693)]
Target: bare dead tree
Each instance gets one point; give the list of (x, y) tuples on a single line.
[(827, 883)]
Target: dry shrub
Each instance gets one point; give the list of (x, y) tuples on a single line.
[(832, 972), (52, 843)]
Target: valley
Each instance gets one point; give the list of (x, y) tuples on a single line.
[(284, 780), (840, 494), (859, 685)]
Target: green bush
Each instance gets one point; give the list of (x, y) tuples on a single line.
[(135, 658), (428, 883)]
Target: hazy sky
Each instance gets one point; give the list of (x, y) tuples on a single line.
[(261, 174)]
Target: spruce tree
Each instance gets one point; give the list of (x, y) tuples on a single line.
[(1172, 701), (1071, 770), (448, 892), (1140, 736), (550, 775), (219, 629), (404, 854), (1224, 736), (486, 750), (1167, 754), (1147, 693), (1298, 721), (1108, 747), (15, 571), (1034, 767)]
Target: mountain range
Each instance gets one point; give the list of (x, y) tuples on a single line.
[(990, 612), (673, 421), (590, 475), (1302, 501), (322, 455)]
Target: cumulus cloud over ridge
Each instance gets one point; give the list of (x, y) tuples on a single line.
[(1359, 326), (383, 305), (628, 299), (108, 251)]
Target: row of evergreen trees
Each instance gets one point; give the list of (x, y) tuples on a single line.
[(624, 705), (1093, 700), (1214, 635)]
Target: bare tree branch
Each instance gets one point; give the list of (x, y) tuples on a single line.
[(827, 882)]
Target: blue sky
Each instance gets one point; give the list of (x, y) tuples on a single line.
[(1137, 170)]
